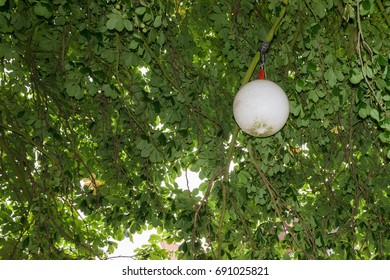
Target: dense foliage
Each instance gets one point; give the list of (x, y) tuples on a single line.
[(139, 92)]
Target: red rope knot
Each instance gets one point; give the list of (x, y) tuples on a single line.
[(263, 49)]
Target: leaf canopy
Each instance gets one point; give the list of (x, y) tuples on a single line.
[(140, 92)]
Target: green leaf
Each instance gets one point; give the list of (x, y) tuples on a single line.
[(366, 5), (146, 151), (133, 45), (329, 59), (79, 94), (4, 24), (5, 51), (385, 137), (318, 242), (367, 71), (128, 25), (109, 91), (356, 76), (75, 91), (299, 85), (157, 22), (147, 17), (111, 23), (131, 60), (154, 238), (286, 158), (330, 77), (142, 144), (115, 22), (140, 10), (319, 8), (26, 242), (295, 108), (374, 114), (339, 75), (42, 10), (156, 156), (364, 112), (2, 2), (161, 38), (313, 96)]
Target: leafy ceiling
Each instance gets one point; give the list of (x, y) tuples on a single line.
[(104, 104)]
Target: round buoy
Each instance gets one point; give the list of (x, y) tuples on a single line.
[(261, 108)]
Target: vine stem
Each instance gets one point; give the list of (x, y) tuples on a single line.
[(247, 77)]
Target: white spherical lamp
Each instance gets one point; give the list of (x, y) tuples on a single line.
[(261, 108)]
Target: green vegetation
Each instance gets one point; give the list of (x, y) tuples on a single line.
[(139, 92)]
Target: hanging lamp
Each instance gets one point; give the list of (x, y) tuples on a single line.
[(261, 107)]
